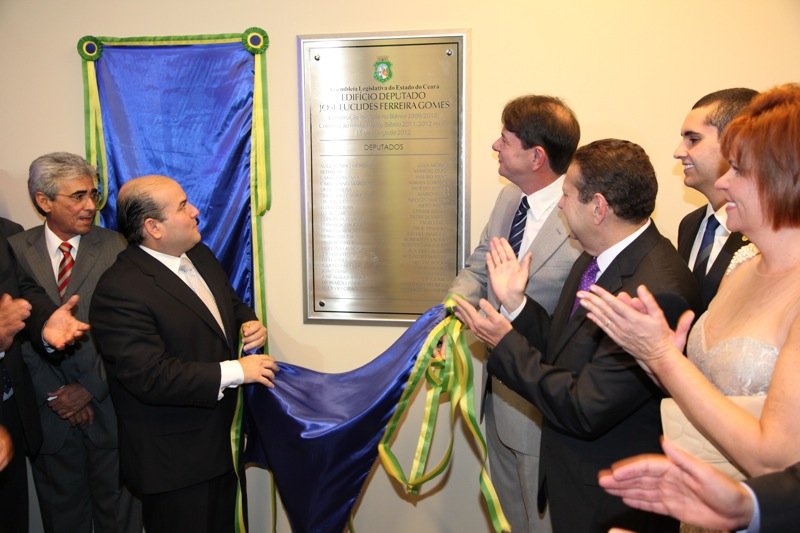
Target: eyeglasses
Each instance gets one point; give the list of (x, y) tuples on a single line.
[(79, 196)]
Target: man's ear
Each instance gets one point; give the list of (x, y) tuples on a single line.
[(600, 208), (153, 228), (43, 202), (538, 158)]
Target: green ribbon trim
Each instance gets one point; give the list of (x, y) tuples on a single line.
[(448, 374), (239, 524)]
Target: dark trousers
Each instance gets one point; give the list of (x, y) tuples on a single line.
[(207, 507), (14, 478)]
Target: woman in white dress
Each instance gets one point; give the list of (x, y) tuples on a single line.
[(748, 342)]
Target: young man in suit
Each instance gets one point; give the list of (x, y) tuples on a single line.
[(539, 136), (168, 323), (77, 470), (704, 241), (23, 302), (598, 404)]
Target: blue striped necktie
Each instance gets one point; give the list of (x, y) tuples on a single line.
[(518, 225), (703, 254)]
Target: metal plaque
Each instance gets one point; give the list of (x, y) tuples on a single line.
[(384, 222)]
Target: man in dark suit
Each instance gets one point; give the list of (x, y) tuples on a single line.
[(598, 404), (21, 299), (704, 241), (167, 323), (539, 136), (77, 470), (681, 485)]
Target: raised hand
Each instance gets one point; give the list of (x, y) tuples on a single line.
[(507, 276), (62, 328)]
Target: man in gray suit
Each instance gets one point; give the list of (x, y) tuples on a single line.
[(77, 470), (539, 137)]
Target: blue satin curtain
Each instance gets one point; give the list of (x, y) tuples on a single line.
[(185, 112), (320, 446)]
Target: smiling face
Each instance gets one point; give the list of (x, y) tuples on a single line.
[(744, 208), (699, 153), (71, 211)]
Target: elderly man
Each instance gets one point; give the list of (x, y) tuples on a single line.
[(597, 403), (77, 470), (168, 323)]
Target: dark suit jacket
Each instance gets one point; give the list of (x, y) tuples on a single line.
[(687, 232), (778, 499), (16, 283), (162, 349), (97, 251), (598, 405)]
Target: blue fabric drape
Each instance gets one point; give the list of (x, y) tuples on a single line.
[(319, 433), (185, 112)]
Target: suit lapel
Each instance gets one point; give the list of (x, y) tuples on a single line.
[(550, 237), (170, 283), (39, 261), (689, 234), (84, 262), (612, 279)]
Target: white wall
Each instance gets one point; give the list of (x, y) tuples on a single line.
[(629, 69)]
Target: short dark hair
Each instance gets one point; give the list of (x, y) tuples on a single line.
[(727, 104), (764, 143), (621, 171), (134, 207), (544, 121)]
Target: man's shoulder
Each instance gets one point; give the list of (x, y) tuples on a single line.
[(692, 218), (9, 227), (107, 238)]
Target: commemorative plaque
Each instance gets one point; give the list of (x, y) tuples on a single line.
[(384, 195)]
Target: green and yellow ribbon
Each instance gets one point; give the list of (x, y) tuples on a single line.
[(448, 375)]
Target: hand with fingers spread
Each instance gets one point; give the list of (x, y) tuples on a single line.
[(636, 324), (62, 328), (487, 324), (682, 486), (507, 276)]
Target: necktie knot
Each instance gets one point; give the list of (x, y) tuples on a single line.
[(517, 230), (587, 280), (66, 248)]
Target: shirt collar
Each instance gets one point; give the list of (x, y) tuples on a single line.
[(611, 253), (52, 241), (542, 201), (170, 261), (721, 214)]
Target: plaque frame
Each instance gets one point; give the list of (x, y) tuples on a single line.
[(310, 47)]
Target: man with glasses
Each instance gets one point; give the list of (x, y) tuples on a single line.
[(77, 470)]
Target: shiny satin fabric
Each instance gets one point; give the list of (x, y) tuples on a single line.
[(185, 112), (318, 433)]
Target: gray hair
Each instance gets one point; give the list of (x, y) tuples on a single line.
[(48, 170)]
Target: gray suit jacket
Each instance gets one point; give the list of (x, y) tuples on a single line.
[(97, 251), (553, 255)]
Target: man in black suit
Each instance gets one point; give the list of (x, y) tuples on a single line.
[(21, 299), (167, 323), (681, 485), (704, 241), (598, 404)]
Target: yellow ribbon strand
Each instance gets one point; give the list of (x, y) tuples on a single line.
[(448, 375)]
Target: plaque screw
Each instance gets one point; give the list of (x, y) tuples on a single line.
[(449, 51), (316, 57), (321, 303)]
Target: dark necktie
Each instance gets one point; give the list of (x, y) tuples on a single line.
[(704, 252), (518, 225), (587, 279), (64, 268)]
